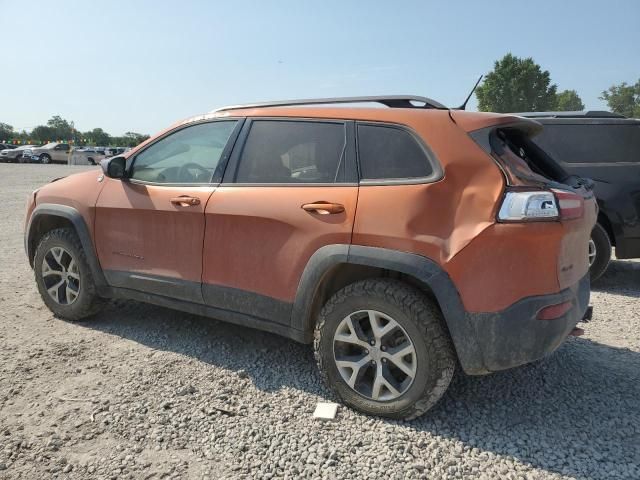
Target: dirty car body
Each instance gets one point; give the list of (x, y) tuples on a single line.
[(269, 236)]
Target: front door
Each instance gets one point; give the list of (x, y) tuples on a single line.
[(60, 153), (289, 190), (149, 227)]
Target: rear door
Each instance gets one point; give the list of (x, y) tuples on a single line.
[(149, 227), (289, 190), (608, 152)]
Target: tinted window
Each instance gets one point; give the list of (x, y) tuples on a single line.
[(293, 152), (591, 143), (390, 153), (190, 155)]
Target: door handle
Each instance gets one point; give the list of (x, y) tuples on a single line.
[(323, 208), (185, 201)]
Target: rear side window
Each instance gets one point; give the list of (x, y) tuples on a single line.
[(388, 153), (293, 152), (591, 143)]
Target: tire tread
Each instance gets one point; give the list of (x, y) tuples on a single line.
[(418, 307), (91, 303)]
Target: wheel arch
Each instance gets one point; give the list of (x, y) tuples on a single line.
[(334, 266), (604, 221), (47, 217)]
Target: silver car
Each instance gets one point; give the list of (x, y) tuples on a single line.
[(11, 155)]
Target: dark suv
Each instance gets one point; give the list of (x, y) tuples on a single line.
[(604, 147)]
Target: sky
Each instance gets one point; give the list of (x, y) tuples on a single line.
[(142, 65)]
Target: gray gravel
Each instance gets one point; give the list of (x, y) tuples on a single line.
[(144, 392)]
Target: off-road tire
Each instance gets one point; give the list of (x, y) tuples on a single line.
[(603, 252), (88, 302), (424, 325)]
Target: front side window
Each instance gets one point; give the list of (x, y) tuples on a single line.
[(190, 155), (389, 153), (293, 152)]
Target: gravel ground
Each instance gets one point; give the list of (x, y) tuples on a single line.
[(145, 392)]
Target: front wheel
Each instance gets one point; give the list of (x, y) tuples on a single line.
[(599, 252), (44, 158), (63, 276), (382, 347)]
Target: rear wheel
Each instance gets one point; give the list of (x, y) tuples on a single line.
[(63, 276), (599, 252), (382, 347)]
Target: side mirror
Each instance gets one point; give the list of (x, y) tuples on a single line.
[(114, 167)]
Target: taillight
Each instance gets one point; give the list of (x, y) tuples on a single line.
[(571, 204), (540, 205), (519, 206)]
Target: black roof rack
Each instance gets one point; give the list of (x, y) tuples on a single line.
[(575, 114), (392, 101)]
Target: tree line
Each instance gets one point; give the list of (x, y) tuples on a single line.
[(57, 129), (521, 85)]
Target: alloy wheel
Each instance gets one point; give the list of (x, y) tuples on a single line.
[(592, 252), (374, 355), (61, 276)]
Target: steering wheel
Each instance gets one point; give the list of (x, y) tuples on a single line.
[(185, 175)]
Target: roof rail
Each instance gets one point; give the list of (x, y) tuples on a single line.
[(570, 114), (392, 101)]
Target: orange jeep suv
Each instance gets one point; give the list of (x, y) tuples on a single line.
[(402, 241)]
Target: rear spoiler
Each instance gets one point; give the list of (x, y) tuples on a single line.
[(472, 121)]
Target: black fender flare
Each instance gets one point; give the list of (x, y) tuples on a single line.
[(421, 268), (80, 226)]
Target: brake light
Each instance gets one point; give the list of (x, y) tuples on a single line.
[(571, 205), (540, 205)]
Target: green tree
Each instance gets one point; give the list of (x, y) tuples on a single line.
[(623, 99), (43, 134), (99, 137), (516, 85), (568, 101), (61, 129), (131, 139), (6, 132)]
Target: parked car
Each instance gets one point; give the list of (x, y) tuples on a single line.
[(458, 254), (119, 150), (10, 155), (604, 147), (85, 156), (50, 153)]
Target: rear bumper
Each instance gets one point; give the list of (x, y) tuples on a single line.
[(515, 336)]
